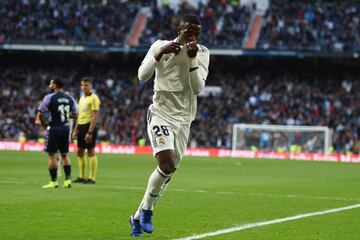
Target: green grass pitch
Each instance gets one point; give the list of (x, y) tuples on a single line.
[(205, 195)]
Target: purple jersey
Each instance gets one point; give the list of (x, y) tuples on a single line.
[(59, 105)]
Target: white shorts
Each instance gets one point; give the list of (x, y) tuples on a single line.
[(164, 135)]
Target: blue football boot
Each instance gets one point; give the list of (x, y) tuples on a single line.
[(146, 220), (136, 229)]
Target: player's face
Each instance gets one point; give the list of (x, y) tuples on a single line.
[(86, 87), (189, 32), (52, 85)]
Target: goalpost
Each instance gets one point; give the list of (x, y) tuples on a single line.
[(281, 138)]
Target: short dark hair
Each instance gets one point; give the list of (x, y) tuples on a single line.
[(58, 82), (191, 18), (86, 79)]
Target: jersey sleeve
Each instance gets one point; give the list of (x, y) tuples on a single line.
[(95, 103), (148, 65), (45, 103), (198, 76)]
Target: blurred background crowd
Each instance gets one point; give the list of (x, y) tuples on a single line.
[(305, 25), (288, 98), (66, 22), (273, 95), (311, 25)]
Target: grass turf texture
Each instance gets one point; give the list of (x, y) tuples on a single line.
[(205, 195)]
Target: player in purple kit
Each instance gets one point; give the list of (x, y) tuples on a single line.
[(61, 108)]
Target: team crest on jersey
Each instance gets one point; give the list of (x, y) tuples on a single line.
[(202, 48), (161, 141), (167, 58)]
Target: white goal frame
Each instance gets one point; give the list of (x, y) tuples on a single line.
[(284, 128)]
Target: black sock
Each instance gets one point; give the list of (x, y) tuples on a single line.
[(67, 170), (53, 174)]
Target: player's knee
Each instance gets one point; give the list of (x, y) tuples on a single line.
[(65, 159), (91, 152), (166, 160), (52, 161), (52, 165), (80, 152), (167, 167)]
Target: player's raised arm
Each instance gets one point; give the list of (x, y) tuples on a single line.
[(189, 33), (199, 69), (147, 67), (155, 53)]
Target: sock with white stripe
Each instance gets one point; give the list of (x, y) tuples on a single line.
[(156, 186)]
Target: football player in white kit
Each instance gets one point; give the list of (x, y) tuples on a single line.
[(181, 68)]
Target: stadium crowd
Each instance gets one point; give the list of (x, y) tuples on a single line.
[(267, 97), (109, 22), (66, 22), (224, 23), (316, 25)]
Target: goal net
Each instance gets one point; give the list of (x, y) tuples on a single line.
[(281, 138)]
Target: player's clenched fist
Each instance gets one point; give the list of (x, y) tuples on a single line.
[(191, 49)]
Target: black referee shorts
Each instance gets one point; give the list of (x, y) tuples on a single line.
[(57, 139), (82, 130)]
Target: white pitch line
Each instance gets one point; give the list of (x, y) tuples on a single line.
[(216, 192), (12, 182), (259, 224), (240, 193)]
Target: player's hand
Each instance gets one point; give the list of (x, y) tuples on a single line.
[(192, 49), (88, 137), (173, 47)]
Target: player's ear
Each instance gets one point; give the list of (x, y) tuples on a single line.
[(180, 28)]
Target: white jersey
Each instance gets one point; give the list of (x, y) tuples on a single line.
[(175, 87)]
